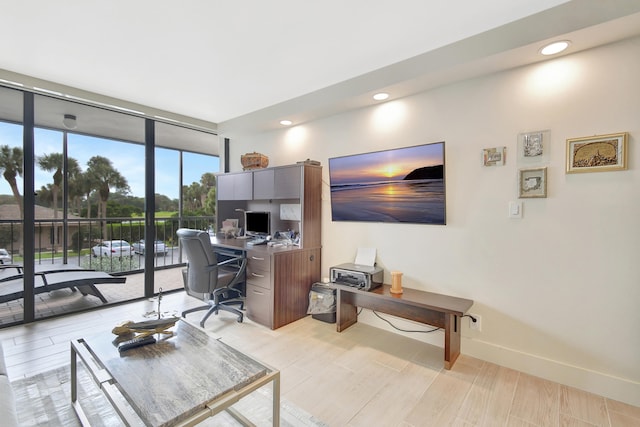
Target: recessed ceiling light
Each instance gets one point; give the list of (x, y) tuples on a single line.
[(555, 47), (380, 96), (286, 122)]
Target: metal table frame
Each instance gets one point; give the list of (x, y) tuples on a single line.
[(108, 385)]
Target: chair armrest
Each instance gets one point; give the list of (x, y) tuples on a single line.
[(240, 260), (230, 260)]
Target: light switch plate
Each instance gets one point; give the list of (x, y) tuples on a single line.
[(515, 209)]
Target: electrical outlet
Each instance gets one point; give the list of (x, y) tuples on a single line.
[(477, 325)]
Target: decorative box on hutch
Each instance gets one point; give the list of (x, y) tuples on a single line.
[(254, 161)]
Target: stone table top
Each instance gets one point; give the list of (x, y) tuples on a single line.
[(171, 380)]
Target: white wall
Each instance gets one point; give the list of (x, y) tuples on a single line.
[(558, 290)]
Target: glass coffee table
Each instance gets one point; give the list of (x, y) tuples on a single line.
[(177, 381)]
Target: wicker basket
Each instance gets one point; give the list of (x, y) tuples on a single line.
[(254, 161)]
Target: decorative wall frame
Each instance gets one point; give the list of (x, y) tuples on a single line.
[(532, 183), (534, 147), (598, 153), (397, 185), (494, 156)]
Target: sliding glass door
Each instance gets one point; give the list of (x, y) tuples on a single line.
[(104, 191), (11, 202)]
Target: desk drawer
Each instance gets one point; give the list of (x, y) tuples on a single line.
[(258, 261), (259, 270), (260, 305), (259, 278)]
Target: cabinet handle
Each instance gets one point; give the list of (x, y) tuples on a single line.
[(258, 292), (257, 259), (257, 275)]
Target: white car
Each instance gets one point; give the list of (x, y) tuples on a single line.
[(160, 247), (5, 258), (117, 248)]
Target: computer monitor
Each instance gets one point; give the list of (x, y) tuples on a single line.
[(257, 223)]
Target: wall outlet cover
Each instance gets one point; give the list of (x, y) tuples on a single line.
[(477, 325)]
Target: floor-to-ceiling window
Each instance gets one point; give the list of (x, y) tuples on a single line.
[(199, 186), (11, 190), (177, 174), (90, 191)]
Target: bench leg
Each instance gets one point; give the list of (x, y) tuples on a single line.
[(451, 340)]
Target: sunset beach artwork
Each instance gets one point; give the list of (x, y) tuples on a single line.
[(402, 185)]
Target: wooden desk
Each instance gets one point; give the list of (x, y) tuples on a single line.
[(279, 280), (439, 310)]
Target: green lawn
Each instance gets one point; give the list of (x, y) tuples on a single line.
[(159, 214), (49, 255)]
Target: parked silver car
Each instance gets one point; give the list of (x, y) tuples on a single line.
[(117, 248), (5, 258), (160, 247)]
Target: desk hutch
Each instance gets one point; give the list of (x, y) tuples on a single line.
[(279, 279)]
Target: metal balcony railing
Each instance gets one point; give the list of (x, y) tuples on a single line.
[(71, 241)]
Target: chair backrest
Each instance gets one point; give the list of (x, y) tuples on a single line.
[(202, 276)]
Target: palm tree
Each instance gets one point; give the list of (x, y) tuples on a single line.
[(74, 176), (44, 196), (53, 162), (210, 205), (11, 164), (85, 187), (103, 176), (208, 181), (191, 197)]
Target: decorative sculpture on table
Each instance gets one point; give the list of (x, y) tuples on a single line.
[(148, 327)]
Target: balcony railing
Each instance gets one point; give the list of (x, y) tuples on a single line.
[(55, 244)]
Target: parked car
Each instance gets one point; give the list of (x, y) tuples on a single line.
[(5, 258), (117, 248), (160, 247)]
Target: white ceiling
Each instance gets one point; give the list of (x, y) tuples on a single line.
[(246, 64)]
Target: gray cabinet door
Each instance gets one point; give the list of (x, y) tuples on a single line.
[(277, 183), (287, 182), (235, 186), (225, 187), (263, 184)]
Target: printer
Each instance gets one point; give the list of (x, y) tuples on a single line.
[(363, 277)]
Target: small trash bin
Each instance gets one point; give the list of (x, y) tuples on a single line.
[(322, 302)]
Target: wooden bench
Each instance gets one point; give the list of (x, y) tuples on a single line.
[(442, 311)]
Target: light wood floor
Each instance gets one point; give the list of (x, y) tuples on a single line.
[(361, 377)]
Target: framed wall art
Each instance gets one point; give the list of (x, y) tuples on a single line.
[(599, 153), (398, 185), (534, 147), (532, 183), (494, 156)]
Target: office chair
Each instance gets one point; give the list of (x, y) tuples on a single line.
[(205, 275)]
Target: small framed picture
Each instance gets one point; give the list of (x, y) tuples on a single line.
[(494, 156), (532, 183), (534, 147), (597, 153)]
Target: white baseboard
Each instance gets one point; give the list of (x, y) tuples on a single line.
[(598, 383)]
